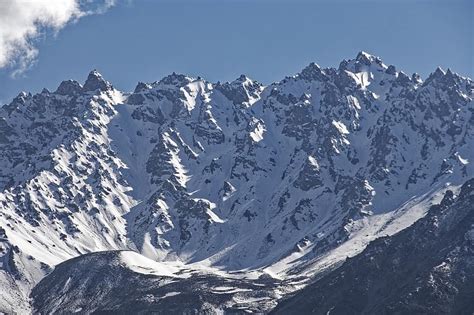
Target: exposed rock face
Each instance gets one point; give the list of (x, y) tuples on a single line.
[(235, 175), (95, 81), (426, 269), (69, 87)]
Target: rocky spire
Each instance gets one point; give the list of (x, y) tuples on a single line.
[(95, 81)]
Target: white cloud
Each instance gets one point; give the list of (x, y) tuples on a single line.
[(23, 21)]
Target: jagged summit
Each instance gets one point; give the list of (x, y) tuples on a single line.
[(365, 57), (242, 90), (176, 79), (22, 95), (241, 79), (141, 86), (438, 73), (437, 76), (69, 87), (95, 81), (363, 62), (368, 59), (313, 72), (247, 82)]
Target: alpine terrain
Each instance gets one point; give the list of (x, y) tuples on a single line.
[(186, 196)]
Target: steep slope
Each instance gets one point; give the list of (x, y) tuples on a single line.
[(426, 269), (284, 179)]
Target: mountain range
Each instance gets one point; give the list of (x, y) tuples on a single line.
[(312, 194)]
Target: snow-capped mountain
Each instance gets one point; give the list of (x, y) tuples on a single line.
[(281, 181)]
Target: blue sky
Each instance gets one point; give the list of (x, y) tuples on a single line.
[(144, 40)]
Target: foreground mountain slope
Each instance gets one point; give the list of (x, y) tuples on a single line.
[(287, 179), (426, 269), (125, 282)]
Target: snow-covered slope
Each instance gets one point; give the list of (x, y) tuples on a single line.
[(284, 179)]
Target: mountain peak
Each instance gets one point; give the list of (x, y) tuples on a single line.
[(69, 87), (438, 74), (141, 86), (241, 90), (177, 79), (242, 78), (20, 98), (362, 55), (367, 59), (95, 81), (451, 75), (312, 67), (312, 72), (361, 62)]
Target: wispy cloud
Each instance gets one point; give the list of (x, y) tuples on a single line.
[(23, 21)]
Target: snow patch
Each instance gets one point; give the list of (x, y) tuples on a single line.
[(141, 264), (460, 159), (341, 127)]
